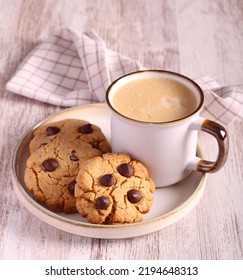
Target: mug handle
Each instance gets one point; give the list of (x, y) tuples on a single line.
[(220, 134)]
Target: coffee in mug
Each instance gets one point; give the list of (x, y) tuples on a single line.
[(154, 100), (155, 118)]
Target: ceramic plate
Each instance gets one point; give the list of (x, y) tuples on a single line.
[(170, 203)]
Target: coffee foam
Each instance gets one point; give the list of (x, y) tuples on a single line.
[(154, 100)]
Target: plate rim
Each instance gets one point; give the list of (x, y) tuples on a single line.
[(23, 195)]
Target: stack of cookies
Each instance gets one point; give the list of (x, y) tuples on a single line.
[(71, 168)]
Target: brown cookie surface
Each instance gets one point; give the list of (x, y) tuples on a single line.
[(113, 189), (69, 130), (51, 173)]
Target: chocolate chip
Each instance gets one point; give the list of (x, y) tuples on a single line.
[(73, 157), (86, 129), (71, 187), (50, 164), (102, 203), (125, 170), (52, 130), (134, 196), (107, 180)]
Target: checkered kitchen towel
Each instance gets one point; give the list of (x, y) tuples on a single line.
[(70, 69)]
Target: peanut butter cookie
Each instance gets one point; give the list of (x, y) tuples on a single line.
[(113, 188), (51, 173)]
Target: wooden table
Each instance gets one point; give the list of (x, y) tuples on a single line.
[(192, 37)]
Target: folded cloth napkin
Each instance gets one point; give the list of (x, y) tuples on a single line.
[(70, 69)]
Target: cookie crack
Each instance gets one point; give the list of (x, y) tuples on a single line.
[(35, 173), (37, 180), (90, 188), (51, 177), (93, 181), (109, 163), (56, 151)]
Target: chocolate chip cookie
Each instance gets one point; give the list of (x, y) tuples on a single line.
[(113, 188), (69, 130), (52, 169)]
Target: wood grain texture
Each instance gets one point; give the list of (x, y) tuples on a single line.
[(192, 37)]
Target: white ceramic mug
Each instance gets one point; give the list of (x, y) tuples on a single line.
[(168, 149)]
